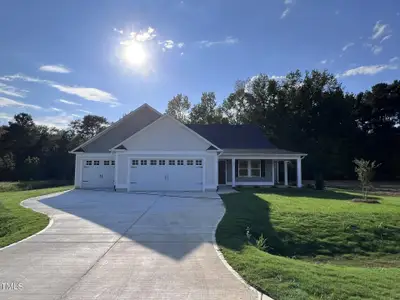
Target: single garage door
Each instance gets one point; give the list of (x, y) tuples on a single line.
[(98, 173), (165, 174)]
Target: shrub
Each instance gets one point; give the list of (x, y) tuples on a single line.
[(365, 172)]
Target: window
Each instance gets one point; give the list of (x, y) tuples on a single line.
[(96, 162), (255, 168), (153, 162), (161, 162), (179, 162), (113, 162), (199, 162), (249, 168), (88, 162), (243, 168), (135, 162), (189, 162), (106, 162), (171, 162), (143, 162)]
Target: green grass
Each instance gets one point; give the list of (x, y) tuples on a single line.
[(320, 245), (17, 222), (10, 186)]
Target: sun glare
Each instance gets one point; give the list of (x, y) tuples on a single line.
[(135, 54)]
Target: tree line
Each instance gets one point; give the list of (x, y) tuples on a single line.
[(310, 113)]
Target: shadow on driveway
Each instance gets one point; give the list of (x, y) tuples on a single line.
[(173, 224)]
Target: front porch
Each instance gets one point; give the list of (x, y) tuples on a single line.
[(257, 170)]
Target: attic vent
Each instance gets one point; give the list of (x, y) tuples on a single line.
[(212, 148), (79, 150), (121, 147)]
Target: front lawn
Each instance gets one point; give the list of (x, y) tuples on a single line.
[(320, 245), (17, 222)]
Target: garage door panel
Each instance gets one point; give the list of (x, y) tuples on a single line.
[(166, 174), (98, 173)]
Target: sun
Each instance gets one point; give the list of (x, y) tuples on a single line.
[(135, 54)]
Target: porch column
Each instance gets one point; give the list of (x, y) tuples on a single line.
[(233, 172), (277, 171), (116, 171), (273, 172), (299, 172), (285, 165)]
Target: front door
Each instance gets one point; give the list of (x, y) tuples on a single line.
[(221, 172)]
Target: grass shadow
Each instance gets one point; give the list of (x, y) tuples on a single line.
[(253, 213), (296, 234)]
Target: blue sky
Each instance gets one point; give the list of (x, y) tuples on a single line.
[(61, 60)]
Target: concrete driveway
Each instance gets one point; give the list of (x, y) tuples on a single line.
[(106, 245)]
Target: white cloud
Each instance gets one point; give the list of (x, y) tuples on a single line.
[(182, 53), (76, 116), (7, 117), (347, 46), (84, 111), (379, 30), (368, 70), (69, 102), (277, 77), (393, 59), (285, 13), (24, 78), (386, 38), (60, 121), (144, 35), (376, 49), (288, 6), (324, 61), (91, 94), (56, 109), (120, 31), (5, 102), (180, 45), (55, 69), (12, 91), (227, 41), (168, 44)]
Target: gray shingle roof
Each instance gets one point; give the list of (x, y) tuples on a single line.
[(227, 136)]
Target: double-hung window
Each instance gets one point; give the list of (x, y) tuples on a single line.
[(249, 168), (255, 168), (243, 168)]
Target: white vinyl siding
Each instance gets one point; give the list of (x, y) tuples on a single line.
[(166, 135)]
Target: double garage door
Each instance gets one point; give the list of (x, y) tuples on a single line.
[(98, 173), (165, 174)]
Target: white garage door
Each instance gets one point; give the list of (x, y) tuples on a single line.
[(165, 174), (98, 173)]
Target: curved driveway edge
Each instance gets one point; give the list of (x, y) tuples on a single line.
[(27, 207), (107, 245)]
